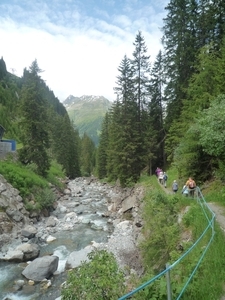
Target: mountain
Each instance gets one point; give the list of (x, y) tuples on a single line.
[(87, 113)]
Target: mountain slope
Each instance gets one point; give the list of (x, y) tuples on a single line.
[(87, 113)]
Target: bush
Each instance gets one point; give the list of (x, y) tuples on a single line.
[(30, 185), (98, 279)]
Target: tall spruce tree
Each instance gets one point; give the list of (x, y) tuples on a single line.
[(34, 121), (103, 148), (125, 139), (140, 69), (66, 146), (87, 157), (156, 112), (140, 64), (180, 46)]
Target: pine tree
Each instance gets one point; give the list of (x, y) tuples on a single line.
[(87, 158), (34, 121), (156, 131), (140, 69), (103, 148), (180, 46), (66, 146), (141, 76)]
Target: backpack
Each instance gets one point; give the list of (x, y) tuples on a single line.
[(191, 184), (175, 186), (165, 177)]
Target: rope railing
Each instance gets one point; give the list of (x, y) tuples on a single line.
[(207, 211)]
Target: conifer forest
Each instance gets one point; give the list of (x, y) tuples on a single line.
[(167, 112)]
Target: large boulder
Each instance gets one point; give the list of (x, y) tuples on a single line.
[(30, 251), (13, 256), (77, 257), (41, 268), (51, 222), (29, 231), (23, 252), (6, 225), (129, 203)]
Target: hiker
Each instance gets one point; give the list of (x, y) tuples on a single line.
[(165, 177), (161, 175), (191, 185), (157, 171), (175, 186), (185, 190)]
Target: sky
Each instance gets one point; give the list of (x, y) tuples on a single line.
[(79, 44)]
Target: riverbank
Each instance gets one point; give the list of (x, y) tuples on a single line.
[(81, 204)]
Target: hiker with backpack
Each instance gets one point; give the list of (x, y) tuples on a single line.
[(161, 174), (185, 191), (191, 185), (165, 177), (175, 186)]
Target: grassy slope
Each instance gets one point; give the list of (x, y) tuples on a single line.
[(88, 115), (208, 281)]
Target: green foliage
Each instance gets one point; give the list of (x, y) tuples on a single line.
[(161, 230), (205, 284), (34, 189), (56, 174), (21, 178), (66, 149), (34, 122), (211, 128), (101, 154), (87, 155), (98, 278), (44, 198)]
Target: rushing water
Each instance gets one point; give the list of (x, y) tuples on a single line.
[(65, 243)]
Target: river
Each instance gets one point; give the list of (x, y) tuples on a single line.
[(91, 206)]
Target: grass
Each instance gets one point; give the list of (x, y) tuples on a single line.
[(208, 281), (214, 191), (31, 185)]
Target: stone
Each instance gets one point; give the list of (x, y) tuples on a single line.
[(51, 222), (14, 256), (129, 203), (41, 268), (29, 231), (77, 257), (30, 251), (50, 239)]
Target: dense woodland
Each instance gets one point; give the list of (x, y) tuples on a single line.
[(35, 118), (170, 111)]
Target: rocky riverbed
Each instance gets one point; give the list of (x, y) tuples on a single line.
[(110, 210)]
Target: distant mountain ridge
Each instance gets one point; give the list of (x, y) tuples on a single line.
[(87, 112)]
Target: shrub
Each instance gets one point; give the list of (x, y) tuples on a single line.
[(98, 279)]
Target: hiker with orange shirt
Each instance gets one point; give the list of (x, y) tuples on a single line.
[(191, 185)]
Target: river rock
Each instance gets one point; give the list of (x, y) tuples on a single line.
[(30, 251), (76, 257), (51, 222), (13, 256), (41, 268), (18, 285), (67, 192), (5, 223), (50, 239), (129, 203), (29, 231)]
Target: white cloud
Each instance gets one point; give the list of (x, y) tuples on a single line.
[(78, 58)]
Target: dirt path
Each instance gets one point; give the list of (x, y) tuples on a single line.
[(218, 210), (220, 218), (219, 213)]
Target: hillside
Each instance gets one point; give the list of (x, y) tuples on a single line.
[(87, 113)]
